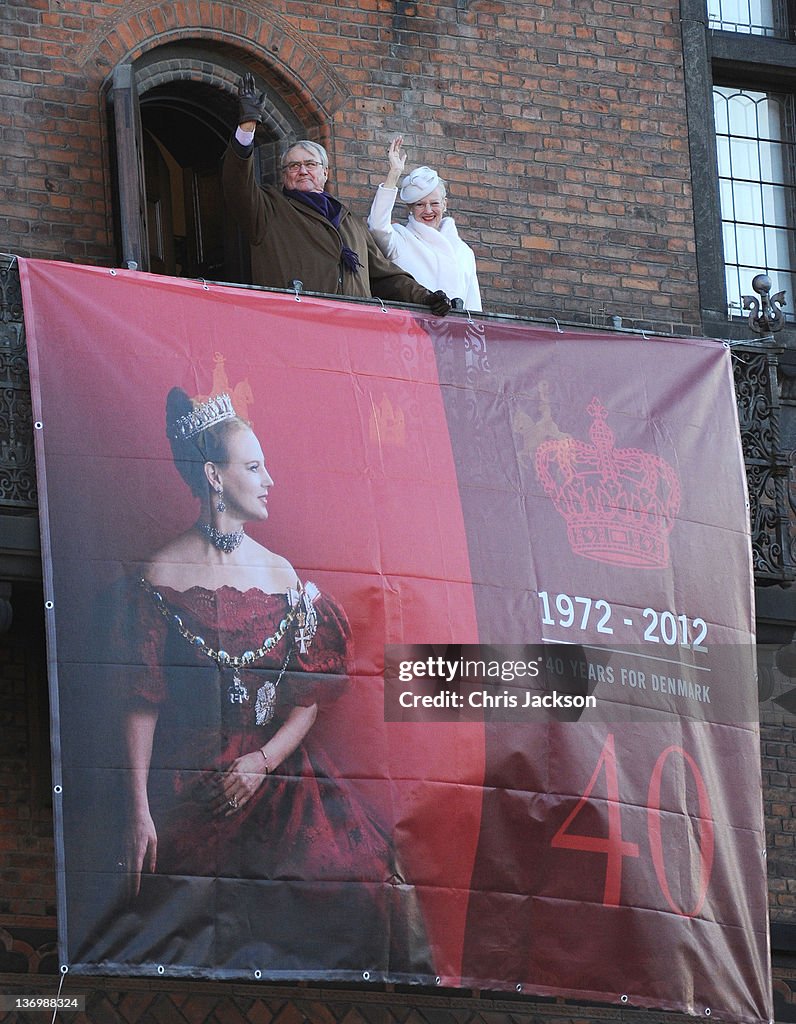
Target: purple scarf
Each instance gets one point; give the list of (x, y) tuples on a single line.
[(330, 208)]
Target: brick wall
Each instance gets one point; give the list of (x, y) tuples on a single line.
[(53, 187), (778, 746), (27, 865), (561, 129)]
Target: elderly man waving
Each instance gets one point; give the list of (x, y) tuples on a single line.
[(301, 231)]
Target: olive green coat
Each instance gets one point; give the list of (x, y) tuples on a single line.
[(291, 241)]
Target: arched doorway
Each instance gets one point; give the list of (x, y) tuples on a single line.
[(172, 114)]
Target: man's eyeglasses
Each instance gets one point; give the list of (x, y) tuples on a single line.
[(311, 165)]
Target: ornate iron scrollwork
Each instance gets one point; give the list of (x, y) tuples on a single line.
[(765, 316), (767, 464), (17, 470)]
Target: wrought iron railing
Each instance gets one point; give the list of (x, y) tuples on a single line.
[(17, 470), (768, 466)]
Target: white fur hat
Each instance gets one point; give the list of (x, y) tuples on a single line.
[(418, 184)]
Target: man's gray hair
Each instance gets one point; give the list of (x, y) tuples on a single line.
[(313, 147)]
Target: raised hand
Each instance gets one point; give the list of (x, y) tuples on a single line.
[(251, 103), (396, 159)]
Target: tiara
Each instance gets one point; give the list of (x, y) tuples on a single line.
[(206, 414)]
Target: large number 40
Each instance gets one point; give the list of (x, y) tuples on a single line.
[(616, 848)]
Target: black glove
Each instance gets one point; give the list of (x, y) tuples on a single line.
[(251, 103), (439, 303)]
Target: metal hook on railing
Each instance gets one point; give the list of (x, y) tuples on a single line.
[(298, 288), (11, 256), (458, 306), (558, 328), (383, 307)]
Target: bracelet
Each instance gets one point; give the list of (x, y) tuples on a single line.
[(266, 759)]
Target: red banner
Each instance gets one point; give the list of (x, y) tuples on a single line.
[(469, 701)]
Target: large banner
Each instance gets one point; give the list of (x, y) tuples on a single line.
[(390, 648)]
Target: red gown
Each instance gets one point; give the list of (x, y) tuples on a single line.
[(304, 879)]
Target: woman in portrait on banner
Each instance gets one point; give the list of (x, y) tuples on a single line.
[(236, 658), (428, 245)]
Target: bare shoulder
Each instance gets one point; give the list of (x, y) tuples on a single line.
[(189, 561), (176, 560), (276, 569)]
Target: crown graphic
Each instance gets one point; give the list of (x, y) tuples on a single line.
[(619, 504), (203, 415)]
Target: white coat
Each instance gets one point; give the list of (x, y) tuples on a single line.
[(435, 257)]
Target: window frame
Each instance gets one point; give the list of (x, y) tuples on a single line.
[(783, 10), (733, 59)]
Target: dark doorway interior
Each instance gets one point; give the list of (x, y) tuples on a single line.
[(186, 126)]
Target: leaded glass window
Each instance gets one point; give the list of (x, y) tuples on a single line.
[(755, 146)]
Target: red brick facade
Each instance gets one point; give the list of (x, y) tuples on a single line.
[(562, 133)]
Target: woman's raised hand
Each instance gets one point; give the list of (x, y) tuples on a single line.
[(397, 161), (394, 154)]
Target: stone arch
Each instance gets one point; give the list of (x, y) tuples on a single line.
[(214, 73), (168, 64)]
